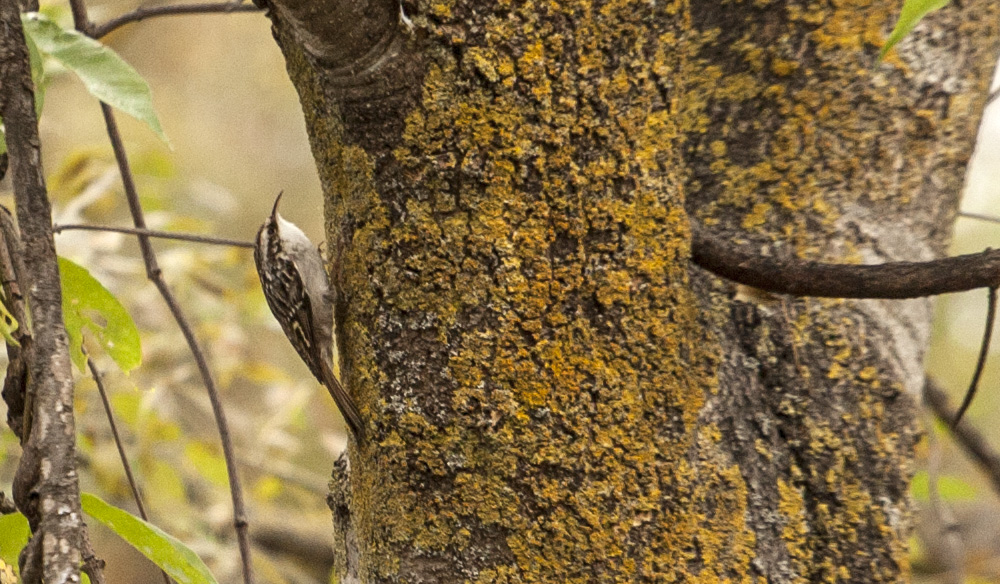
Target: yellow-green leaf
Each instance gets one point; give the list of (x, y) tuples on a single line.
[(14, 534), (106, 75), (164, 550), (8, 324), (913, 12), (950, 488), (37, 74), (88, 305)]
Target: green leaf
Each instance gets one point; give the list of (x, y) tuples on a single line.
[(38, 78), (913, 11), (8, 324), (84, 300), (14, 534), (106, 76), (950, 488), (167, 552)]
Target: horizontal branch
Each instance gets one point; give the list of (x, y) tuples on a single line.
[(156, 233), (980, 216), (808, 278), (142, 13)]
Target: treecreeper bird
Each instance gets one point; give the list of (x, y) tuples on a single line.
[(298, 292)]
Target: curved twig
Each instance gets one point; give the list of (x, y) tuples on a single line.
[(891, 280), (984, 350)]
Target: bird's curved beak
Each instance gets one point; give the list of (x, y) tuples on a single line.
[(274, 211)]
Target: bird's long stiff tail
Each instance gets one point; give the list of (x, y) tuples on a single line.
[(350, 411)]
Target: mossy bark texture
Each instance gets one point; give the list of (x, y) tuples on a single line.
[(553, 393)]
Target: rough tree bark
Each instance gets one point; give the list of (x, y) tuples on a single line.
[(553, 392), (40, 400)]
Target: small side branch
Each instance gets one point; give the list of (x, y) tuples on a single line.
[(979, 216), (129, 476), (892, 280), (19, 355), (993, 97)]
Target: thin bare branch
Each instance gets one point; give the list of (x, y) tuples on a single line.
[(984, 350), (144, 12), (892, 280), (129, 476), (133, 486), (155, 275), (157, 234), (980, 216), (81, 21)]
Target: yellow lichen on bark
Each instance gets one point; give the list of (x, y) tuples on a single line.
[(826, 140), (519, 322), (796, 135), (542, 247)]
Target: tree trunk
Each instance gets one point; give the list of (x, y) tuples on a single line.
[(552, 392)]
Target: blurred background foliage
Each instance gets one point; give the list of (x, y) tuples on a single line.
[(237, 138)]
